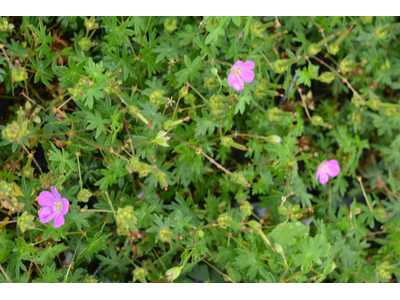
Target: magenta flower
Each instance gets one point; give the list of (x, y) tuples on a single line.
[(141, 195), (329, 168), (240, 73), (54, 207)]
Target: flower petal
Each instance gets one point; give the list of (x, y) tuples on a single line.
[(55, 193), (318, 173), (46, 214), (231, 78), (323, 178), (248, 65), (247, 75), (46, 199), (65, 204), (58, 221), (235, 82), (333, 167), (239, 63)]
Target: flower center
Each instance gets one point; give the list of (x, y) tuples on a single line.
[(324, 169), (57, 206), (237, 71)]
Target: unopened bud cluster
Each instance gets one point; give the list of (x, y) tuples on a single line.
[(140, 274), (84, 195), (238, 178), (157, 98), (166, 235), (4, 25), (246, 208), (170, 24), (6, 189), (210, 83), (15, 130), (127, 220), (25, 221), (218, 104)]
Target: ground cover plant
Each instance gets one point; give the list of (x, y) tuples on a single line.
[(199, 149)]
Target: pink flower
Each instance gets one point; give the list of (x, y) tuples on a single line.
[(241, 72), (329, 168), (54, 207)]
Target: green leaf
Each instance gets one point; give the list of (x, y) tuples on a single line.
[(191, 71), (309, 251), (47, 255), (288, 234)]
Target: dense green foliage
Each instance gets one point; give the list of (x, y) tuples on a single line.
[(172, 175)]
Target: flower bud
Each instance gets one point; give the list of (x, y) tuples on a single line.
[(228, 142), (217, 104), (170, 24), (327, 77), (15, 131), (183, 92), (173, 273), (25, 221), (295, 213), (84, 195), (373, 104), (6, 189), (210, 82), (166, 235), (90, 23), (200, 233), (274, 139), (283, 210), (189, 99), (224, 221), (257, 229), (91, 279), (157, 97), (160, 177), (273, 114), (384, 270), (366, 20), (140, 274), (4, 25), (19, 74), (257, 29), (135, 111), (86, 44), (12, 205), (357, 101), (145, 169), (318, 121), (161, 139), (126, 220), (28, 171), (238, 178), (313, 49), (346, 66), (246, 209), (333, 48), (282, 65), (255, 225), (214, 71), (168, 125), (133, 165), (278, 248), (380, 213)]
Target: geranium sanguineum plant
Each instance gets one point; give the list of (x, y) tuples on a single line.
[(241, 72), (54, 207)]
